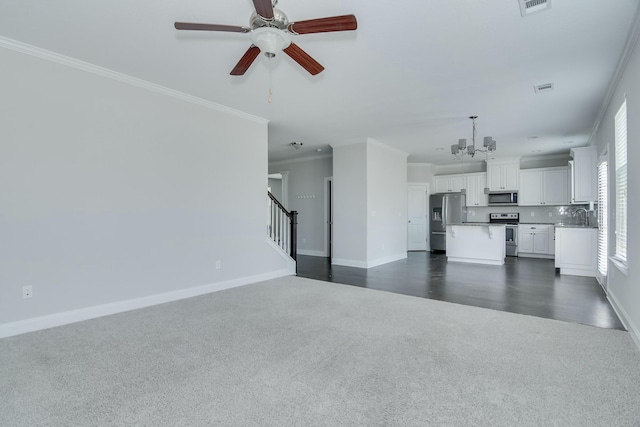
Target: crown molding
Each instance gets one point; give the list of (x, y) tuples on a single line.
[(300, 159), (68, 61), (632, 39)]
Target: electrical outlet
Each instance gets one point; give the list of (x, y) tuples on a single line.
[(27, 291), (218, 265), (533, 214), (304, 240), (550, 215)]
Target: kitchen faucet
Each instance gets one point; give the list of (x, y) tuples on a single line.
[(586, 215)]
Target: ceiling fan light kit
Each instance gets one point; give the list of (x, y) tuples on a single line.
[(270, 40), (270, 33)]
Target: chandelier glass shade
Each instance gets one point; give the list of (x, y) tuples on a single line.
[(461, 149)]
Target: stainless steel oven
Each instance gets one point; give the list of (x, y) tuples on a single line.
[(510, 220)]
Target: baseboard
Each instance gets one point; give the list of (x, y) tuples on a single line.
[(475, 260), (311, 253), (577, 272), (625, 319), (64, 318), (530, 255), (348, 262), (368, 264), (386, 260)]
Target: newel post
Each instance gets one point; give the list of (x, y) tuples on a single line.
[(294, 235)]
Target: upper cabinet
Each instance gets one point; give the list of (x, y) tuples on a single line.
[(545, 186), (473, 183), (449, 183), (584, 185), (476, 182), (503, 174)]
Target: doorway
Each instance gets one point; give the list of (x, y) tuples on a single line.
[(278, 185), (328, 217)]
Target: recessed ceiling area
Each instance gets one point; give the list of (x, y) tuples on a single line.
[(409, 76)]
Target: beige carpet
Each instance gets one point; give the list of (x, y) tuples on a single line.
[(298, 352)]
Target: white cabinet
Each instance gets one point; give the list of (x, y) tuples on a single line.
[(576, 251), (535, 240), (476, 183), (503, 175), (449, 183), (545, 186), (584, 185)]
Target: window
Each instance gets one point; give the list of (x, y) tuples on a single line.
[(603, 206), (621, 184)]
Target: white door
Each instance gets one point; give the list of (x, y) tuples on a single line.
[(417, 230)]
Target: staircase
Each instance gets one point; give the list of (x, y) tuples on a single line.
[(282, 227)]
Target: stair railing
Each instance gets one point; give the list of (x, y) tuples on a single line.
[(283, 227)]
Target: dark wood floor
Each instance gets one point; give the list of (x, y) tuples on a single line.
[(522, 285)]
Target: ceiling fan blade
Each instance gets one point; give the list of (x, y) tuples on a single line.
[(324, 25), (211, 27), (245, 62), (264, 8), (303, 58)]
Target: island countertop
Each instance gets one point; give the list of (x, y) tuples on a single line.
[(482, 224), (479, 243)]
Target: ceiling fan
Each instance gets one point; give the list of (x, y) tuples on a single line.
[(271, 32)]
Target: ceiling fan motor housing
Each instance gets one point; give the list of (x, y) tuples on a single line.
[(279, 20)]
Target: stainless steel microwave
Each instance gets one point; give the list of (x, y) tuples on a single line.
[(503, 198)]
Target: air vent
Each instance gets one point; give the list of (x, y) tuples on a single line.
[(546, 87), (527, 7)]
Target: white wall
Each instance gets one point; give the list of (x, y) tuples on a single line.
[(420, 172), (386, 203), (111, 192), (350, 205), (624, 290), (306, 195), (370, 204)]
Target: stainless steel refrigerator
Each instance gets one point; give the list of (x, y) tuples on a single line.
[(446, 209)]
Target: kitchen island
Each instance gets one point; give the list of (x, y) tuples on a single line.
[(478, 243)]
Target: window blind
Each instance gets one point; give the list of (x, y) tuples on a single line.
[(621, 182), (602, 218)]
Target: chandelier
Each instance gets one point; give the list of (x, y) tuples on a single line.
[(461, 149)]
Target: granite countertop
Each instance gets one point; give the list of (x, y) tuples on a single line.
[(561, 225), (470, 224)]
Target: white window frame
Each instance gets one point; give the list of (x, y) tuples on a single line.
[(619, 259)]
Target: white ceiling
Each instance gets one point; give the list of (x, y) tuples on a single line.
[(408, 77)]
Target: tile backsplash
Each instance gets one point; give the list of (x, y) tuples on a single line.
[(536, 214)]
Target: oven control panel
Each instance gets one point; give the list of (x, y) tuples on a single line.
[(505, 217)]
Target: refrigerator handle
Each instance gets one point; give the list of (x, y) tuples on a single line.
[(444, 212)]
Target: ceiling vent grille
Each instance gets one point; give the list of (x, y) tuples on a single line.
[(527, 7), (546, 87)]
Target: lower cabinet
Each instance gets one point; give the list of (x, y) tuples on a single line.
[(577, 251), (536, 240)]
